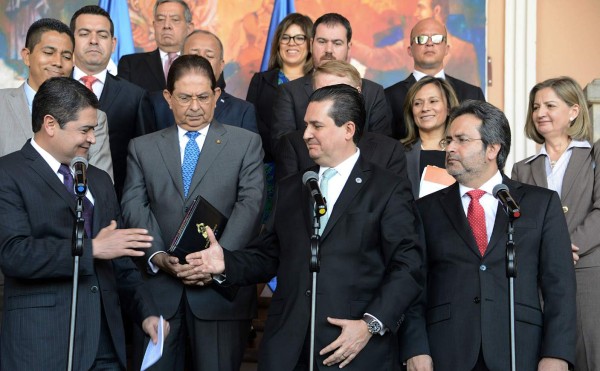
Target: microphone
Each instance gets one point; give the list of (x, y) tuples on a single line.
[(311, 180), (501, 193), (79, 166)]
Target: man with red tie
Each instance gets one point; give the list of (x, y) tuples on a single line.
[(462, 319)]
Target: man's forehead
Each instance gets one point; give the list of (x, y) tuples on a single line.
[(328, 29)]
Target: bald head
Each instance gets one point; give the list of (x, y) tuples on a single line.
[(428, 56)]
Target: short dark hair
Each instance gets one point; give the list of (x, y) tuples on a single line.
[(41, 26), (187, 13), (494, 128), (62, 98), (300, 20), (93, 10), (348, 105), (190, 63), (332, 19), (204, 32)]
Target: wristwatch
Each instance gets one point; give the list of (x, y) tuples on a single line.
[(373, 325)]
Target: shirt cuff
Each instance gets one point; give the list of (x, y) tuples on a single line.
[(153, 268)]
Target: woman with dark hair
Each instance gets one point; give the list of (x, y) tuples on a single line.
[(558, 119), (426, 108)]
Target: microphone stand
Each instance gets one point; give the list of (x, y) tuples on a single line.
[(511, 273), (315, 265), (76, 251)]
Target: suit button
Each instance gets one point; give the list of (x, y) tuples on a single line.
[(482, 267), (307, 293), (94, 289), (476, 300), (565, 209)]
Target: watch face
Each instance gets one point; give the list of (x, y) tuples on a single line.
[(374, 327)]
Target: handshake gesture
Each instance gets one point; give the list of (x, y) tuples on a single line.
[(210, 260)]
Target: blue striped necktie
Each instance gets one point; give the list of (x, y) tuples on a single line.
[(190, 159)]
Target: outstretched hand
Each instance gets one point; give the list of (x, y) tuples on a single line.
[(112, 243), (210, 260)]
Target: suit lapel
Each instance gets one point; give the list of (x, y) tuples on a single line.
[(452, 206), (501, 222), (308, 209), (575, 166), (308, 88), (216, 140), (169, 150), (538, 172), (271, 78), (109, 93)]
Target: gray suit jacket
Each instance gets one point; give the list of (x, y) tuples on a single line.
[(16, 128), (229, 175), (580, 198)]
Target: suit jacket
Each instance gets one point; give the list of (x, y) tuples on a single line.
[(376, 148), (396, 95), (129, 114), (229, 110), (465, 306), (262, 93), (37, 214), (292, 99), (16, 128), (229, 175), (413, 167), (580, 198), (369, 264), (144, 70)]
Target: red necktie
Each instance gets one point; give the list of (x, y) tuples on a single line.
[(88, 81), (476, 218), (170, 58)]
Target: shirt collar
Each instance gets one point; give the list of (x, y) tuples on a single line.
[(29, 94), (574, 144), (181, 132), (78, 74), (419, 75), (50, 160), (488, 186), (345, 167), (164, 55)]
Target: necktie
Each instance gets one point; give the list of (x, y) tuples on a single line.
[(328, 174), (476, 218), (88, 207), (170, 58), (89, 81), (190, 159)]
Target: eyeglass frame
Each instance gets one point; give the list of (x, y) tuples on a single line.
[(290, 38), (201, 99), (415, 40), (460, 141)]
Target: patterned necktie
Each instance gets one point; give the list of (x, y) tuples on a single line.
[(88, 207), (190, 159), (89, 81), (328, 174), (476, 218), (170, 58)]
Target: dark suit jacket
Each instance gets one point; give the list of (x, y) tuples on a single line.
[(370, 262), (292, 99), (396, 94), (229, 175), (262, 92), (144, 70), (129, 114), (465, 306), (229, 110), (36, 223), (376, 148)]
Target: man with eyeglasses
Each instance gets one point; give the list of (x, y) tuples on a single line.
[(166, 171), (172, 23), (461, 321), (428, 47), (332, 39)]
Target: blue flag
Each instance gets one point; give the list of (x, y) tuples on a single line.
[(281, 9), (119, 13)]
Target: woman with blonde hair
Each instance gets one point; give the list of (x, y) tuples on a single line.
[(558, 119)]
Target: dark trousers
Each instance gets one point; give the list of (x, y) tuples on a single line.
[(106, 356)]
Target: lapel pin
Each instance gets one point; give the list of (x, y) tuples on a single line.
[(358, 180), (218, 141)]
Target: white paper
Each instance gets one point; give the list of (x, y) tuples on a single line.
[(154, 351)]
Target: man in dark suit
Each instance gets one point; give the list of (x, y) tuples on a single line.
[(332, 39), (428, 54), (229, 110), (127, 107), (462, 321), (172, 23), (166, 171), (369, 264), (37, 214)]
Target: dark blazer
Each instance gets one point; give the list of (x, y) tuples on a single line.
[(369, 263), (36, 223), (262, 92), (229, 110), (229, 175), (144, 70), (129, 114), (292, 99), (465, 307), (396, 94), (376, 148)]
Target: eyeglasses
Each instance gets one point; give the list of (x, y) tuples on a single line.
[(298, 39), (423, 39), (461, 141), (184, 99)]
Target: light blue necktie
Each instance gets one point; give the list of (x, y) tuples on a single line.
[(328, 174), (190, 159)]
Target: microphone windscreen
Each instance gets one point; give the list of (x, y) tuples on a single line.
[(308, 176), (83, 160), (498, 188)]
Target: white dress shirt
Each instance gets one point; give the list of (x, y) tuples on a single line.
[(98, 85)]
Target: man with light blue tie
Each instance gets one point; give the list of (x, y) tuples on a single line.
[(166, 170)]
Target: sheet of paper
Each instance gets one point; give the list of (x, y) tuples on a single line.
[(434, 178), (154, 351)]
